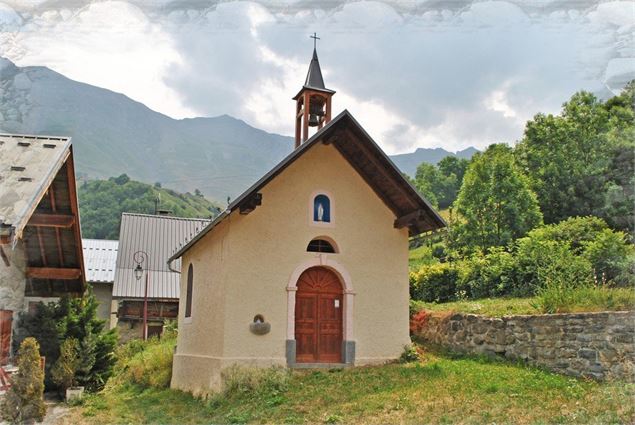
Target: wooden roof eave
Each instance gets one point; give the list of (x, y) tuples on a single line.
[(18, 228)]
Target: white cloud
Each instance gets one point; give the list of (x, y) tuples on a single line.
[(414, 73), (111, 44)]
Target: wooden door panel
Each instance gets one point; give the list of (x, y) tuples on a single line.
[(305, 327), (318, 317)]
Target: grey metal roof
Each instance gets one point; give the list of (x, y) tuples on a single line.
[(100, 259), (28, 165), (159, 236), (344, 118)]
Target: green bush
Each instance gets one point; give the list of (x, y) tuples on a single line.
[(435, 283), (611, 256), (575, 231), (609, 251), (490, 275), (541, 263), (409, 354), (24, 401)]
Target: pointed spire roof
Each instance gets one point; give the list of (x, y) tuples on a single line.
[(314, 79), (314, 76)]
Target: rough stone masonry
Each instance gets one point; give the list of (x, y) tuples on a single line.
[(594, 345)]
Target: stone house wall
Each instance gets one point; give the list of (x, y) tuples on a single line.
[(595, 345), (12, 278)]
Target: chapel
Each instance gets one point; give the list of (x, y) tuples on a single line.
[(307, 268)]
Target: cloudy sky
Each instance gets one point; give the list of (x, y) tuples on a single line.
[(416, 73)]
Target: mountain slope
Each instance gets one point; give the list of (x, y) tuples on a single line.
[(112, 135)]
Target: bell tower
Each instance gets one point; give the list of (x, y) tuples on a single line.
[(313, 101)]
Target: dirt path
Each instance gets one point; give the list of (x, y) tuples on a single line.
[(55, 411)]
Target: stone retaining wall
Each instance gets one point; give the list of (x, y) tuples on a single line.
[(595, 345)]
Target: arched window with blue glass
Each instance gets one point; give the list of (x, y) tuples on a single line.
[(322, 209)]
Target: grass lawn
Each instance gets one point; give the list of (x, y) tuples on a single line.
[(494, 307), (585, 300), (439, 389)]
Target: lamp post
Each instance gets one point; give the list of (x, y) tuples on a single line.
[(140, 257)]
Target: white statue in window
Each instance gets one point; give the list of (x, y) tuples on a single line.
[(320, 212)]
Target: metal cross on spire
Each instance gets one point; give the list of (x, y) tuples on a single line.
[(315, 39)]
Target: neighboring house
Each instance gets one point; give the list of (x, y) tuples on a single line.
[(100, 258), (309, 266), (158, 236), (40, 241)]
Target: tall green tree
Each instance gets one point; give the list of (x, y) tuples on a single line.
[(495, 202), (428, 181), (440, 184), (580, 162)]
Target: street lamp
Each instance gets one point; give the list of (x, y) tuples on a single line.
[(140, 257)]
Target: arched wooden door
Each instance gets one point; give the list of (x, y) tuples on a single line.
[(318, 317)]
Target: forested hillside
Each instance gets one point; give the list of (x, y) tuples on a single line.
[(101, 203)]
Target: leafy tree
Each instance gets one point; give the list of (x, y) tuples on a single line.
[(440, 184), (451, 165), (427, 182), (495, 203), (580, 162), (24, 401)]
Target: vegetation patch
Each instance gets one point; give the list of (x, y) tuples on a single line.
[(589, 299), (146, 364), (436, 389)]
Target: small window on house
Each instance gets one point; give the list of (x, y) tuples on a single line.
[(188, 299), (320, 245), (322, 209)]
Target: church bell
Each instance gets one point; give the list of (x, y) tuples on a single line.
[(316, 112)]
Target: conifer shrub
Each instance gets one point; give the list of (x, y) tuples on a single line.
[(72, 318), (65, 368), (24, 401)]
